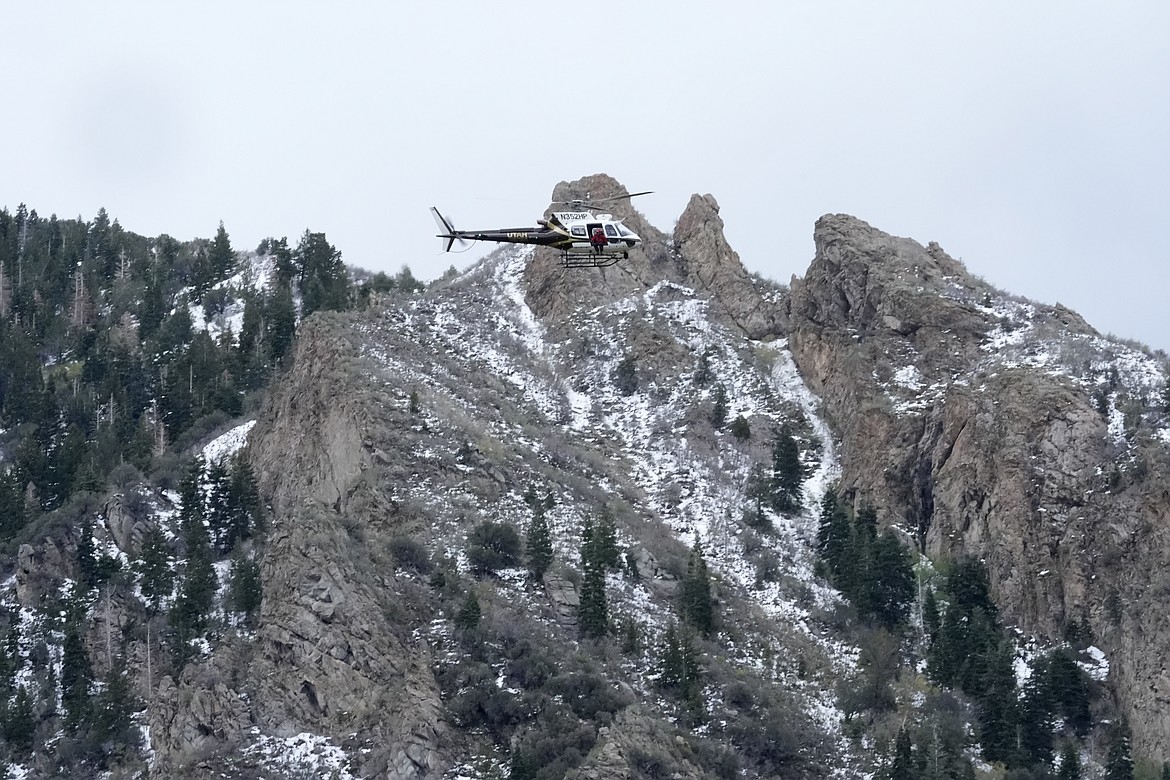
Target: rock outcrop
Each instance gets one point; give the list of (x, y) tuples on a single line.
[(325, 658), (697, 256), (971, 420)]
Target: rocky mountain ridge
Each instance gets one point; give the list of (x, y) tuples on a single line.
[(998, 428), (976, 423)]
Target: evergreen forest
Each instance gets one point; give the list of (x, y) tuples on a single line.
[(120, 354)]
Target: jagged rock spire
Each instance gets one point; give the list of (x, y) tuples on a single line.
[(696, 256)]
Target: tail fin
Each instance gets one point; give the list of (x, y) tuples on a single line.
[(448, 233)]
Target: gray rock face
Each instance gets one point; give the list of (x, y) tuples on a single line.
[(711, 267), (1005, 459), (325, 659), (635, 741)]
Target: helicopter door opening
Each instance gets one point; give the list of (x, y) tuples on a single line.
[(597, 238)]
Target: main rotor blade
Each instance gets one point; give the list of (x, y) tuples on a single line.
[(587, 201)]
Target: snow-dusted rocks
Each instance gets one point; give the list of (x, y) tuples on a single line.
[(1000, 428)]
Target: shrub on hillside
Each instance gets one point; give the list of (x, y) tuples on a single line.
[(493, 546), (410, 554)]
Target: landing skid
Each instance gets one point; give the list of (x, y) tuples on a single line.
[(603, 260)]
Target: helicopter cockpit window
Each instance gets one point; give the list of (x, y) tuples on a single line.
[(611, 231), (624, 231), (578, 230)]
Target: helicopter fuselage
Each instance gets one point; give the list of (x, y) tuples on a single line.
[(597, 240), (584, 239)]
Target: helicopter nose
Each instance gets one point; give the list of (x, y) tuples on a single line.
[(632, 240)]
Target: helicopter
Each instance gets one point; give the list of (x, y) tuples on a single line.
[(586, 237)]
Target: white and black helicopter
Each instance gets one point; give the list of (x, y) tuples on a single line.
[(585, 237)]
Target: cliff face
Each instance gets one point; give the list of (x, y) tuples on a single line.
[(1012, 432), (328, 656)]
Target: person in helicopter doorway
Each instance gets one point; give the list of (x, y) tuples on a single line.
[(598, 239)]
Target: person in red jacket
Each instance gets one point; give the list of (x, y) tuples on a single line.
[(598, 239)]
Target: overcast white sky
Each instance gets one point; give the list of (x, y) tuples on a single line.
[(1031, 140)]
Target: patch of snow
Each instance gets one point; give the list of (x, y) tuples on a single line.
[(908, 377), (1097, 665), (305, 754), (228, 444), (1116, 428)]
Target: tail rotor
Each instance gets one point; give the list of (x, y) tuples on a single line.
[(448, 235)]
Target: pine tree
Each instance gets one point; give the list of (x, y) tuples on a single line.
[(1035, 731), (719, 407), (220, 256), (631, 637), (978, 647), (189, 617), (152, 308), (969, 587), (5, 294), (998, 716), (866, 521), (282, 323), (86, 555), (538, 544), (246, 507), (833, 536), (113, 711), (930, 617), (468, 617), (606, 552), (218, 508), (758, 492), (76, 672), (154, 567), (671, 672), (246, 591), (888, 590), (1070, 763), (703, 367), (902, 764), (625, 376), (520, 766), (19, 723), (324, 281), (592, 608), (740, 428), (787, 474), (697, 605), (191, 507), (12, 510), (10, 661), (1119, 763), (1069, 686)]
